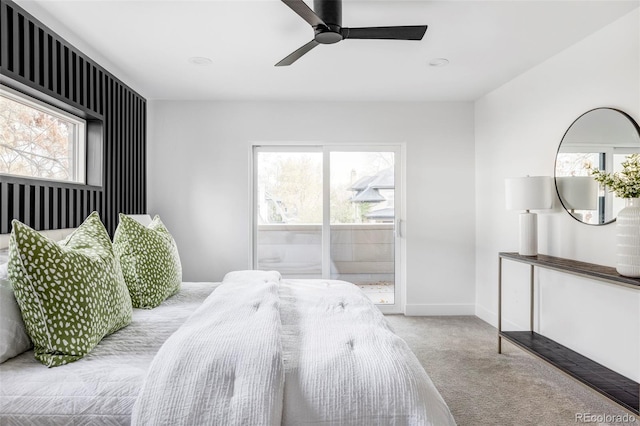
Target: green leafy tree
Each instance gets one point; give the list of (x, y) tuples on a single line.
[(300, 188)]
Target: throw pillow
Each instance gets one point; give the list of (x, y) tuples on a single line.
[(4, 261), (149, 259), (71, 293), (13, 334)]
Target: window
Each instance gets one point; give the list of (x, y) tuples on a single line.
[(40, 141)]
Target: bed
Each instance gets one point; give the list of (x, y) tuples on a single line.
[(255, 349), (102, 387)]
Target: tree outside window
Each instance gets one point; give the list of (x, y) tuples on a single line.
[(36, 141)]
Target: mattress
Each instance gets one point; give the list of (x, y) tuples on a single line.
[(102, 387)]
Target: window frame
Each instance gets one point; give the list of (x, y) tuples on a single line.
[(79, 154), (326, 148)]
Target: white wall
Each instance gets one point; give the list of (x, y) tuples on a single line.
[(518, 129), (198, 160)]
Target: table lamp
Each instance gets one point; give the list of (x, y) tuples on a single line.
[(528, 193)]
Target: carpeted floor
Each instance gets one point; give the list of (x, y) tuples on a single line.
[(482, 387)]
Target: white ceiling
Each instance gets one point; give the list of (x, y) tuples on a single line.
[(147, 44)]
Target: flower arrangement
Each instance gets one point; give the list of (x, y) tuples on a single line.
[(625, 184)]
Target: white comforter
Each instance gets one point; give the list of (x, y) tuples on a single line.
[(267, 351), (101, 388), (224, 365)]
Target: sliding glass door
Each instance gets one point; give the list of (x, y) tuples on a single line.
[(362, 221), (288, 211), (329, 212)]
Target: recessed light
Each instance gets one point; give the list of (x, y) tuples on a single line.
[(438, 62), (200, 60)]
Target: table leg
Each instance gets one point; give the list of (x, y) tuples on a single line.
[(531, 301), (499, 305)]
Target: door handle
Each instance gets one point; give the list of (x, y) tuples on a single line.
[(397, 231)]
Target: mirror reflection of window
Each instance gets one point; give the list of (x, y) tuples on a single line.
[(580, 197), (580, 191), (574, 164), (600, 138)]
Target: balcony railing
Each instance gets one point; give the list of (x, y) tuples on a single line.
[(358, 251)]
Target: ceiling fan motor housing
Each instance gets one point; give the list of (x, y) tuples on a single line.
[(330, 11), (328, 35)]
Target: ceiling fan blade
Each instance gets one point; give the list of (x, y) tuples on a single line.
[(297, 54), (410, 32), (305, 12)]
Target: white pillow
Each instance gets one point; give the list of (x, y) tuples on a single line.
[(4, 262), (13, 334), (143, 219)]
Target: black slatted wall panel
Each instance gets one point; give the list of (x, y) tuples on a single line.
[(36, 57)]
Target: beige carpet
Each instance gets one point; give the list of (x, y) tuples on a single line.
[(482, 387)]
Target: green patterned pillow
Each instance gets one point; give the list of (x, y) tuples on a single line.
[(149, 259), (71, 293)]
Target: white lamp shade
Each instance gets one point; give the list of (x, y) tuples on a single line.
[(578, 192), (528, 193)]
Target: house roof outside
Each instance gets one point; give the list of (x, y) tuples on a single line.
[(362, 183), (369, 195), (368, 187), (384, 213), (385, 179)]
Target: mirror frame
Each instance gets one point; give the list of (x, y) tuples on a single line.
[(555, 169)]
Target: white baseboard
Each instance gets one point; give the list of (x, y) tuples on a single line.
[(491, 318), (437, 310), (481, 312), (487, 316)]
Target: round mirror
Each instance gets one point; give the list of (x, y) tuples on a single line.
[(600, 138)]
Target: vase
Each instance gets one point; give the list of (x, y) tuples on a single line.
[(628, 239)]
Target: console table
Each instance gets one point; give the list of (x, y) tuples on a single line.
[(614, 386)]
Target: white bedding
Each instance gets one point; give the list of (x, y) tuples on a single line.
[(342, 364), (345, 366), (258, 351), (224, 365), (101, 388)]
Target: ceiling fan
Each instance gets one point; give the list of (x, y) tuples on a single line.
[(327, 25)]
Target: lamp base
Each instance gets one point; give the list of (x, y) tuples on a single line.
[(528, 234)]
